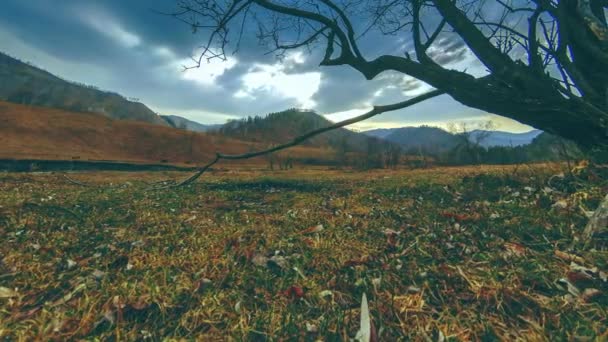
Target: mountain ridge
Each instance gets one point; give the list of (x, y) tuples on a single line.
[(435, 138), (26, 84), (281, 127)]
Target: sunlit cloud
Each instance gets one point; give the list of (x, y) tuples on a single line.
[(499, 122), (273, 79), (207, 73)]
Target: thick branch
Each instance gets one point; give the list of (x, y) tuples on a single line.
[(534, 59), (349, 27)]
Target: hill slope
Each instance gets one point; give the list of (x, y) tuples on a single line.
[(25, 84), (28, 132), (189, 125), (43, 133)]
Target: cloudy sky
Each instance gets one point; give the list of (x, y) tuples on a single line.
[(127, 47)]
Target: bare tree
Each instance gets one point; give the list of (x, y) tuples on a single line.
[(471, 140), (546, 60)]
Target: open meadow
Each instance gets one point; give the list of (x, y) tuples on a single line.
[(470, 253)]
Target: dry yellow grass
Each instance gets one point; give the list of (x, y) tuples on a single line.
[(454, 253)]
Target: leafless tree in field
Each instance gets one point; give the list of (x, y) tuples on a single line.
[(546, 61)]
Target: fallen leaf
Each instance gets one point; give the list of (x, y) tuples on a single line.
[(515, 249), (326, 293), (260, 260), (315, 229), (279, 261), (141, 303), (560, 205), (71, 263), (5, 292), (589, 294), (571, 288), (360, 261), (569, 257), (367, 332), (98, 274), (460, 217), (311, 328), (294, 291)]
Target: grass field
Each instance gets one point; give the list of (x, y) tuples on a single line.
[(476, 253)]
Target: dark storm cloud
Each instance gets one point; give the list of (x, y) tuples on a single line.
[(449, 50), (411, 84), (342, 88)]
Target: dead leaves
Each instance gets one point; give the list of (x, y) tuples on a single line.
[(445, 267), (461, 217), (513, 249), (315, 229)]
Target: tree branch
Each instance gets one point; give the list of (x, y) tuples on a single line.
[(487, 53), (346, 52), (418, 46), (377, 110)]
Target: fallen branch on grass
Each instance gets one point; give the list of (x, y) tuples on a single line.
[(75, 182), (377, 110)]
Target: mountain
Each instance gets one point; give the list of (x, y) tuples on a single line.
[(189, 125), (414, 139), (433, 139), (381, 133), (499, 138), (280, 127), (25, 84)]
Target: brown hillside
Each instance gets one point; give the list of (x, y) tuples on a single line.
[(43, 133), (26, 84)]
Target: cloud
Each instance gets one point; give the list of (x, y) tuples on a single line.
[(126, 47), (264, 80), (207, 73), (104, 24), (448, 50)]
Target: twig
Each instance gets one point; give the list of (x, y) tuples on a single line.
[(73, 181), (377, 110)]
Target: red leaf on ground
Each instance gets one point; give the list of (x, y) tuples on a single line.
[(294, 291), (460, 217)]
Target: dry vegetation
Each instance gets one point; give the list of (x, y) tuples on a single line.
[(456, 253), (28, 132)]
